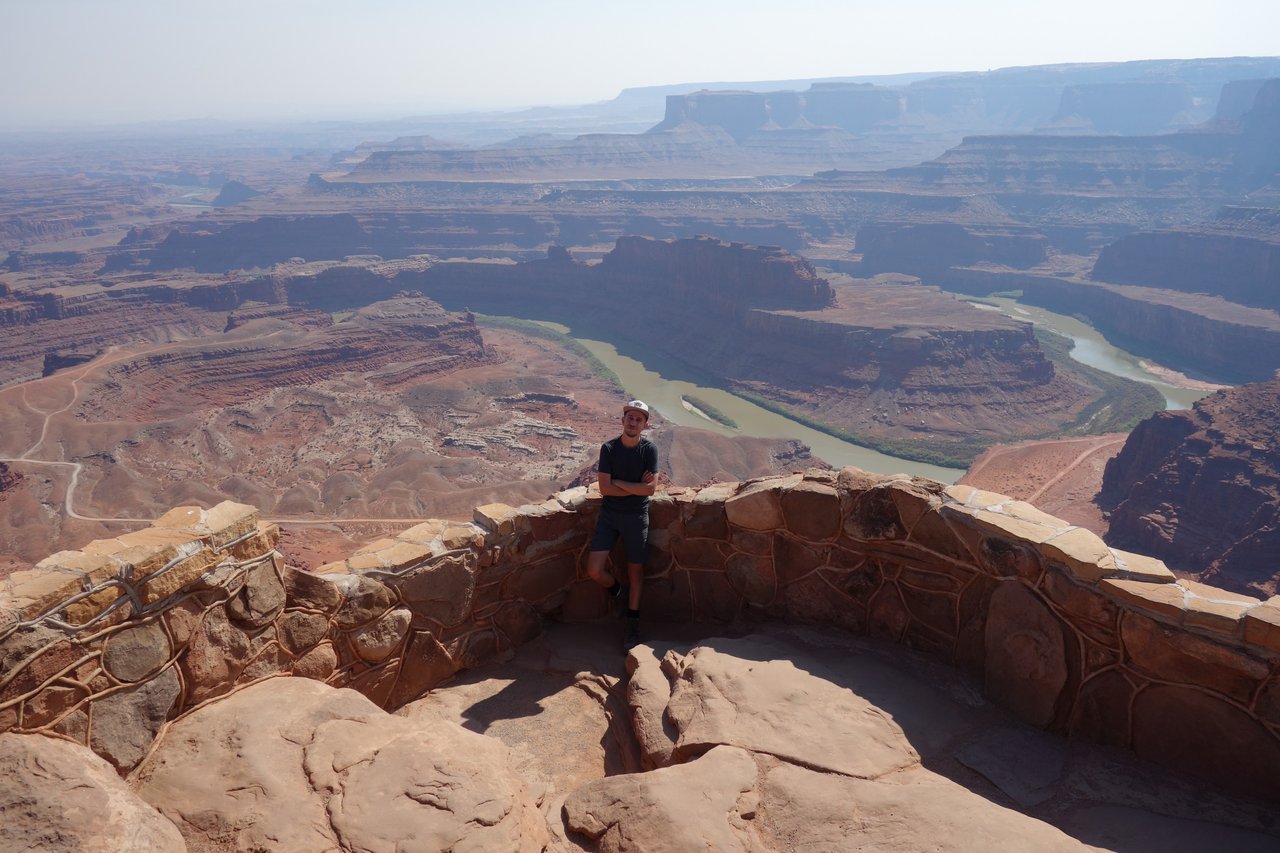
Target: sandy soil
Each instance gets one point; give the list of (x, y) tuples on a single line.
[(1060, 476)]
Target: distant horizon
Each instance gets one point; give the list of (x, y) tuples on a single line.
[(83, 64)]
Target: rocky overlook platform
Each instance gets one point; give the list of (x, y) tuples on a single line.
[(156, 648)]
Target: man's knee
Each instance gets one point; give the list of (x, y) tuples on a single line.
[(595, 564)]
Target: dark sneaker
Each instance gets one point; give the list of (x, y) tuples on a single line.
[(633, 635)]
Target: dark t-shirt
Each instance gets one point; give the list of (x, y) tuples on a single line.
[(627, 464)]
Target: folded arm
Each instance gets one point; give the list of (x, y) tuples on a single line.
[(621, 488)]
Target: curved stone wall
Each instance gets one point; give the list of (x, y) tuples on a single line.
[(105, 644)]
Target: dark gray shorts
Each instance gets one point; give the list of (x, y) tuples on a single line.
[(633, 527)]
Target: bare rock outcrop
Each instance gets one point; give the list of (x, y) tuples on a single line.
[(58, 797), (316, 768), (1200, 489)]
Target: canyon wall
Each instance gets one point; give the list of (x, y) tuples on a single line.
[(103, 645), (1238, 267), (1200, 488)]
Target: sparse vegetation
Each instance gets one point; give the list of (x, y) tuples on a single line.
[(711, 411), (950, 454), (538, 330), (1122, 404)]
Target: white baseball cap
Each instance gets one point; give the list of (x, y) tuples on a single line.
[(637, 405)]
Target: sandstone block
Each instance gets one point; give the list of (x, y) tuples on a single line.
[(497, 518), (88, 608), (261, 597), (178, 576), (1004, 557), (93, 568), (262, 542), (714, 598), (125, 724), (137, 652), (1016, 528), (757, 507), (1082, 552), (873, 515), (1028, 512), (365, 600), (39, 591), (572, 498), (106, 547), (1214, 609), (271, 660), (216, 655), (1101, 711), (375, 545), (442, 591), (181, 518), (975, 498), (136, 561), (299, 631), (1171, 654), (1165, 599), (535, 582), (518, 622), (317, 664), (1262, 625), (811, 510), (853, 480), (158, 536), (228, 521), (304, 589), (753, 578), (1088, 609), (426, 664), (699, 554), (463, 536), (363, 562), (399, 556), (1140, 567), (375, 642), (1026, 667), (425, 533)]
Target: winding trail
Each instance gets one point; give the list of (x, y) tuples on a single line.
[(1072, 465), (996, 459)]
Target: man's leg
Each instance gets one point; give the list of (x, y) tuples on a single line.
[(635, 577), (596, 570)]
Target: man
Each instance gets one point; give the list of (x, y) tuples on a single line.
[(627, 473)]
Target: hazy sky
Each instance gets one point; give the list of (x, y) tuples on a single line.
[(70, 61)]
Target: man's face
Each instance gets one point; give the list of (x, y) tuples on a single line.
[(633, 423)]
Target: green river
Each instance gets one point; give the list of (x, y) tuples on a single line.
[(667, 386)]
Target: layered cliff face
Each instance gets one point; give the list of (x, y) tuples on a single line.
[(1201, 489), (1238, 267), (261, 243), (709, 271), (926, 249)]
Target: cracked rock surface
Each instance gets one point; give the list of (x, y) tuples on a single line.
[(788, 739)]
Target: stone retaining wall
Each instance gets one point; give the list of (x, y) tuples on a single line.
[(105, 644)]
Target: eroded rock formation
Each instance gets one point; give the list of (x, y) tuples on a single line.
[(1201, 489)]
